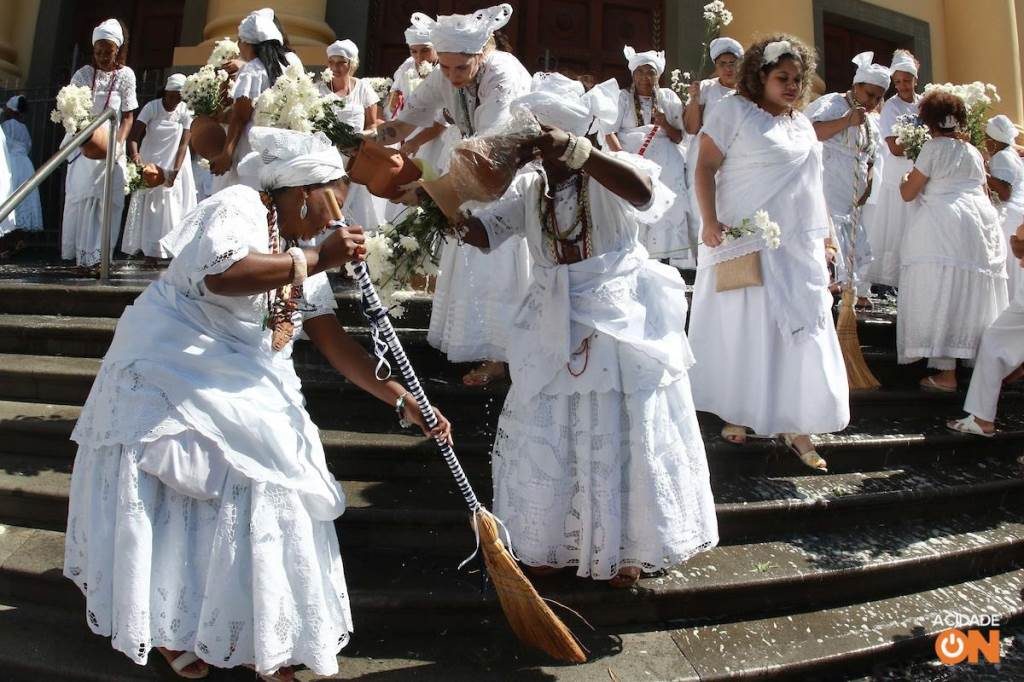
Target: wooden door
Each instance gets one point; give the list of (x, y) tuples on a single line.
[(842, 43)]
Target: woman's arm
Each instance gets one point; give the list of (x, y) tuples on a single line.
[(613, 142), (135, 140), (693, 113), (673, 133), (394, 131), (617, 176), (371, 117), (127, 119), (894, 148), (709, 160), (238, 118), (913, 183), (179, 158), (413, 144)]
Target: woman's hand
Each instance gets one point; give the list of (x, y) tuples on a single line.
[(694, 89), (712, 233), (658, 119), (409, 148), (221, 164), (169, 177), (232, 66), (344, 245), (552, 143), (443, 430)]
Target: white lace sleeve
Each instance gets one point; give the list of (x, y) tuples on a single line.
[(662, 198), (221, 243), (507, 217), (126, 88), (926, 160), (318, 296), (82, 77)]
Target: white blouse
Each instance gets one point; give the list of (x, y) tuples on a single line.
[(252, 79), (846, 155), (122, 97), (353, 109)]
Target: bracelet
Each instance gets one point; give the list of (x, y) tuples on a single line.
[(580, 153), (400, 409), (570, 147), (300, 267)]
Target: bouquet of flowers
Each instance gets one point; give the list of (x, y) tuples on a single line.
[(761, 223), (73, 108), (716, 17), (382, 86), (978, 98), (224, 50), (132, 178), (293, 102), (680, 84), (911, 134), (202, 90)]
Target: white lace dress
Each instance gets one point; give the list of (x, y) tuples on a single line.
[(201, 510), (1007, 166), (953, 262), (81, 229), (670, 236), (888, 221), (477, 292), (598, 461), (154, 212), (29, 214), (767, 356)]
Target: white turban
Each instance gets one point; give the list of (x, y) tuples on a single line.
[(109, 30), (1001, 129), (638, 59), (259, 27), (416, 35), (286, 158), (12, 103), (905, 63), (559, 101), (463, 33), (872, 74), (175, 82), (720, 46), (343, 48)]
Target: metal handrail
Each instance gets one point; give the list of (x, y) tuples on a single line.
[(46, 170)]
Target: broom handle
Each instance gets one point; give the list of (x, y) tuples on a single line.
[(377, 316)]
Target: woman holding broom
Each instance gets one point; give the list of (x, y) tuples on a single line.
[(198, 467), (598, 463)]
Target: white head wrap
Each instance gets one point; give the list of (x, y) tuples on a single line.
[(463, 33), (1000, 128), (175, 82), (720, 46), (561, 102), (872, 74), (343, 48), (259, 27), (773, 52), (416, 35), (905, 63), (109, 30), (638, 59), (286, 158), (12, 103)]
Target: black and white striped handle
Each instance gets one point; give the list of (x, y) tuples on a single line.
[(378, 318)]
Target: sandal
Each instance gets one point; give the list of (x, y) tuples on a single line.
[(968, 425), (627, 577), (484, 375), (811, 458), (184, 660), (928, 384), (735, 434)]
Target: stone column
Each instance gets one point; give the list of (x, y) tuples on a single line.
[(303, 21)]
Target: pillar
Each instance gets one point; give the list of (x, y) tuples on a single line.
[(303, 21)]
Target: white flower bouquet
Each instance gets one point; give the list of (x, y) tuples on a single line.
[(132, 178), (680, 84), (911, 134), (294, 102), (382, 86), (202, 91), (73, 108), (224, 50), (762, 224), (978, 98)]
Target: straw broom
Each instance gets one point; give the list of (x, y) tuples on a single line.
[(531, 619)]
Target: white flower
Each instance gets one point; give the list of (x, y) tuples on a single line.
[(327, 76), (425, 68), (73, 108), (224, 50), (382, 86), (202, 90), (716, 14), (408, 243)]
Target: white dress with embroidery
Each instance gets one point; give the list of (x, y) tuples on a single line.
[(767, 356), (477, 292), (953, 262), (201, 508), (598, 461), (670, 237), (81, 228), (154, 212), (29, 214), (1007, 166)]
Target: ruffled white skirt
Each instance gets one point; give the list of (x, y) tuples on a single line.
[(153, 213), (28, 215), (81, 229)]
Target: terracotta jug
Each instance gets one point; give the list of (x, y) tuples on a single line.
[(384, 171), (96, 147), (152, 175), (208, 137)]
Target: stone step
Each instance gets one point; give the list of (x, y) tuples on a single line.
[(421, 591)]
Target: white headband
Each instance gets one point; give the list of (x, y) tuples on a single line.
[(773, 52), (720, 46), (637, 59), (286, 158), (949, 122), (414, 35), (905, 63), (343, 48), (561, 102), (463, 33), (259, 27), (109, 30), (1000, 128), (872, 74), (175, 82)]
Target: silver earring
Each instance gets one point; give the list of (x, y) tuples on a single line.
[(304, 209)]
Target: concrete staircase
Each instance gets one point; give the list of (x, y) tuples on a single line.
[(833, 576)]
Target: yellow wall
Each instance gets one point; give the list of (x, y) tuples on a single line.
[(756, 18), (25, 33), (933, 12)]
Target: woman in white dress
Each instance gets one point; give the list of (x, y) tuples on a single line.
[(477, 292), (651, 124), (358, 106), (1006, 182), (953, 262), (113, 86), (704, 96), (28, 216), (164, 126), (7, 225), (849, 143), (427, 143), (262, 47), (598, 463), (768, 358), (202, 512), (891, 216)]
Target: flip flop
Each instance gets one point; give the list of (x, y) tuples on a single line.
[(182, 661), (968, 426), (928, 384), (811, 458)]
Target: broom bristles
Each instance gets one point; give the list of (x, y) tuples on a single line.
[(530, 618), (858, 374)]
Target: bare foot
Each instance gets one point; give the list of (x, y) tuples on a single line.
[(196, 670), (1015, 375), (627, 577), (735, 434), (486, 374), (941, 382)]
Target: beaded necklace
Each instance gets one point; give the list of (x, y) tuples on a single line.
[(284, 304), (566, 248), (113, 84)]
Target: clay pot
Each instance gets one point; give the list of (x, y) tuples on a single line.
[(208, 137), (96, 147), (444, 194), (384, 171), (152, 175)]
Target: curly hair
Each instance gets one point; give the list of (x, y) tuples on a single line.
[(752, 67), (937, 105)]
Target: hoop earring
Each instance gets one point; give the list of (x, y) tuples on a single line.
[(304, 209)]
